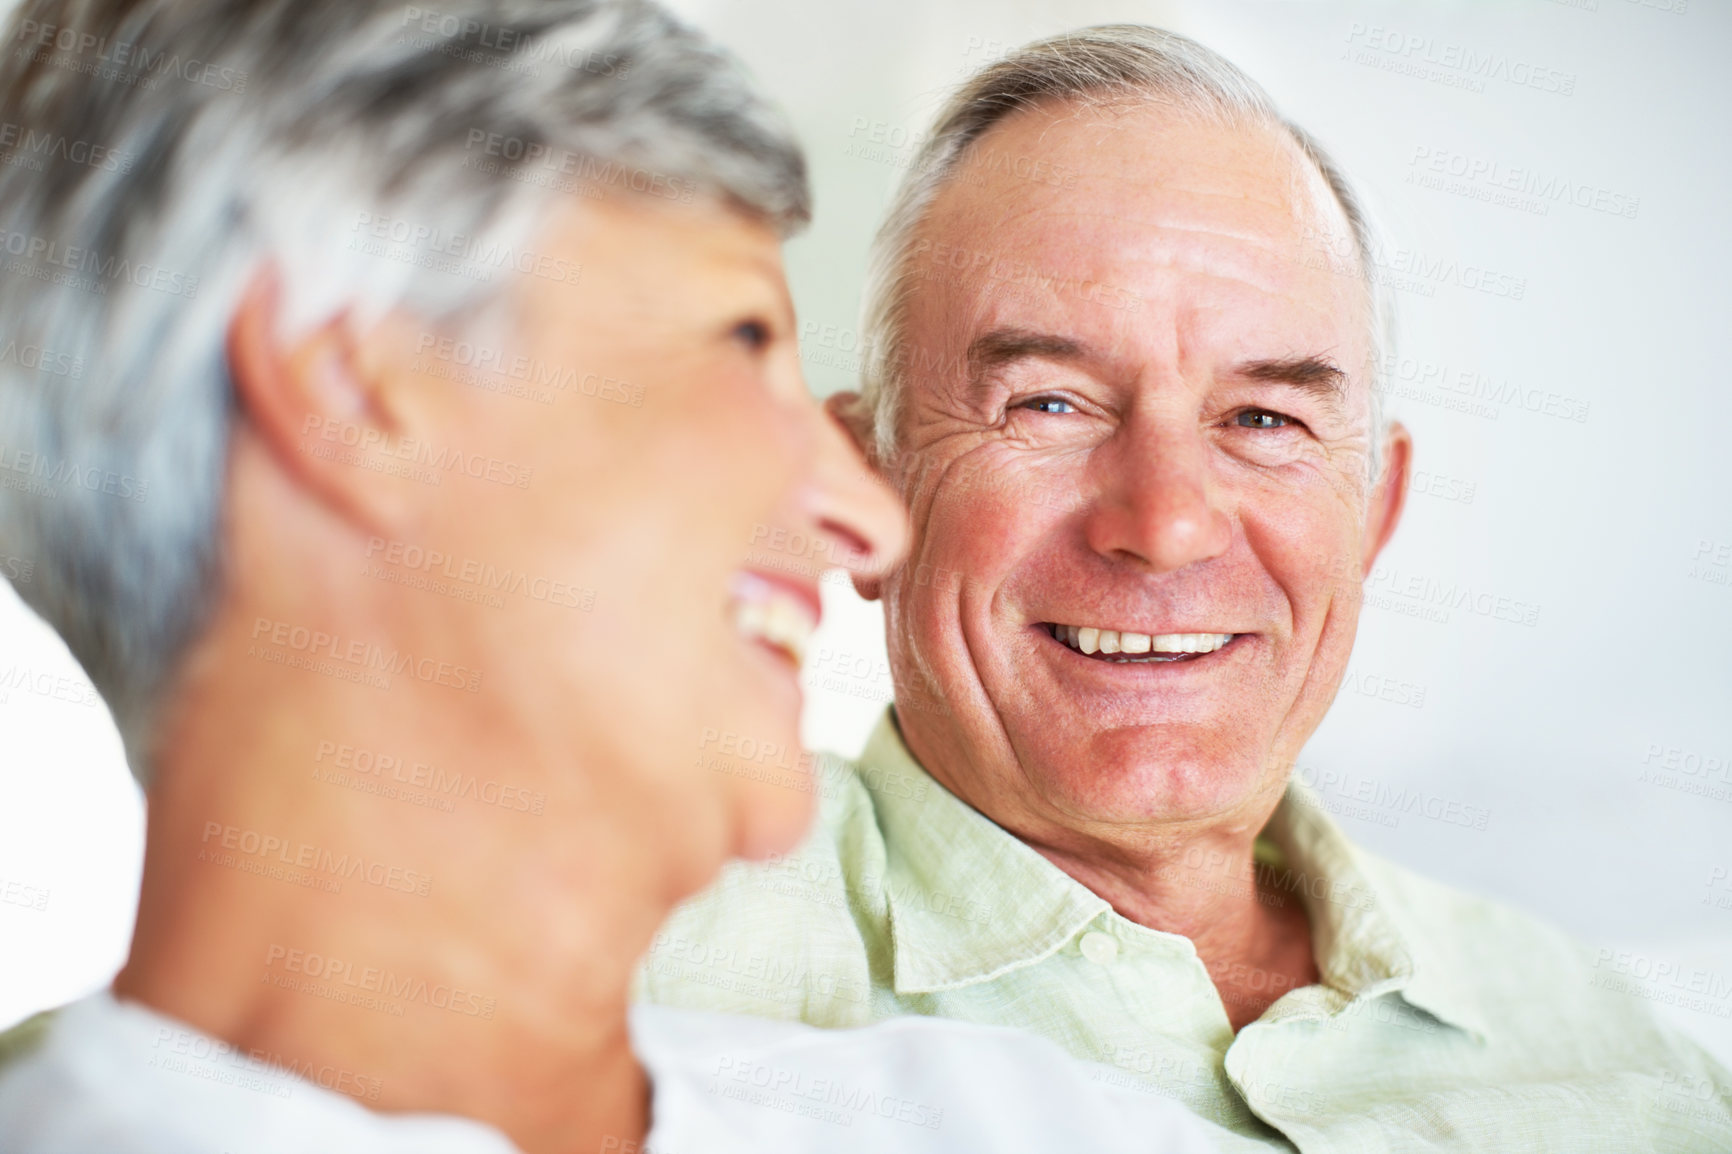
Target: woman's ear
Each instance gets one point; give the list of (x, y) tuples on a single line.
[(323, 404)]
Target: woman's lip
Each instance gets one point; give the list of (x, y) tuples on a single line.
[(784, 659), (806, 591), (780, 614)]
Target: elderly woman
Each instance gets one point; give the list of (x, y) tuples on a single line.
[(445, 372)]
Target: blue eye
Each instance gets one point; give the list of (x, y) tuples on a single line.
[(1262, 419), (1050, 405)]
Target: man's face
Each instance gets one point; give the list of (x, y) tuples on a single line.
[(1138, 401), (640, 643)]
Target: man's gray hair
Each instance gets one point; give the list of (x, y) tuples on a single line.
[(1109, 62), (381, 155)]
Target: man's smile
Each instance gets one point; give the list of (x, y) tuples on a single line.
[(1124, 646)]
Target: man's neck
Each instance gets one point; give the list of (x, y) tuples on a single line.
[(331, 917), (1252, 936), (1198, 879)]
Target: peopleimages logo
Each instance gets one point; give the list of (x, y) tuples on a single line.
[(22, 143), (1544, 188), (437, 460), (362, 655), (1470, 390), (1428, 57), (482, 575), (468, 253), (47, 259), (826, 1099), (124, 61), (482, 362), (17, 893), (52, 472), (345, 976), (41, 360), (183, 1051), (1437, 597), (348, 761), (338, 866), (585, 171), (508, 45)]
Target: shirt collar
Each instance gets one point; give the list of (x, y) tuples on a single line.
[(969, 901), (1367, 940)]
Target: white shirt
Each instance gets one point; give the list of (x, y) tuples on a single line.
[(112, 1077)]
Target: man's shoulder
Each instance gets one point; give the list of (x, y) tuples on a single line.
[(788, 937), (1527, 980)]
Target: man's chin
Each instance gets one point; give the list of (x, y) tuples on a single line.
[(1139, 785)]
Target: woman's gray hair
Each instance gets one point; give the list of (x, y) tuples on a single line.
[(1109, 62), (382, 155)]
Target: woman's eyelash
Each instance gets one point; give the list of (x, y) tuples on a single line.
[(753, 334)]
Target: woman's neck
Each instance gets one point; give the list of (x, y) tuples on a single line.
[(471, 960)]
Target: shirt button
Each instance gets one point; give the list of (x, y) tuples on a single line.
[(1101, 949)]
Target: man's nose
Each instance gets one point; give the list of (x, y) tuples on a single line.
[(1157, 504), (851, 505)]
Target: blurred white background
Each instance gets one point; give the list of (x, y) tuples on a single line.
[(1571, 453)]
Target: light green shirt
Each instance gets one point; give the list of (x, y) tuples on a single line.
[(1443, 1021)]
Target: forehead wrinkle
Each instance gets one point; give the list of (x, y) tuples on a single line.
[(1107, 247), (1190, 264), (1174, 325), (1287, 194), (1214, 252)]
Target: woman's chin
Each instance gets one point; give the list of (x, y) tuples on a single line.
[(775, 819)]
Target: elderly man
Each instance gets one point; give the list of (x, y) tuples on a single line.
[(451, 355), (1125, 340)]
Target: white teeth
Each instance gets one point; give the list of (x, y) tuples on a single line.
[(765, 612), (750, 617), (1090, 639)]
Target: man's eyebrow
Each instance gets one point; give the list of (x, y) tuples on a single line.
[(1319, 376), (1003, 346), (1316, 375)]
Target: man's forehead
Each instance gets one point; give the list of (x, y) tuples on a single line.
[(1194, 166), (1119, 220)]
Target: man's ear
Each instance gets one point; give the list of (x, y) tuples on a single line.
[(1389, 495), (847, 411), (322, 405)]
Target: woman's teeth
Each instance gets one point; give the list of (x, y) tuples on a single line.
[(764, 613), (1087, 639)]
